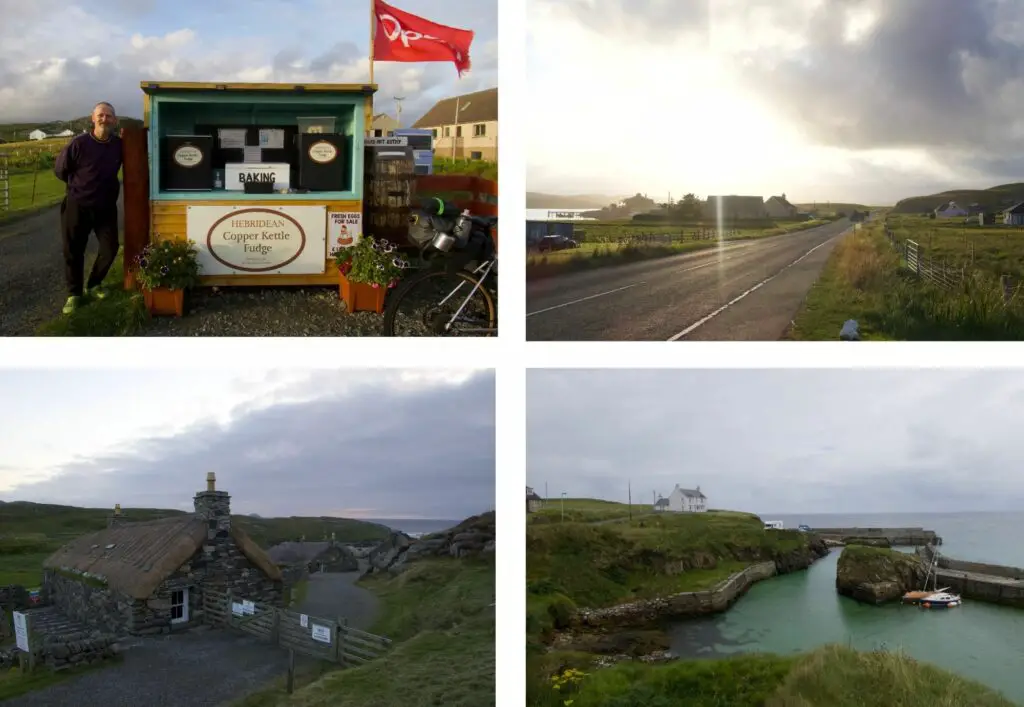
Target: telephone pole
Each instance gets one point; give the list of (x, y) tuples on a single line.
[(629, 490), (398, 108)]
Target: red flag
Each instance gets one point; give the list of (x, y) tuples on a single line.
[(408, 38)]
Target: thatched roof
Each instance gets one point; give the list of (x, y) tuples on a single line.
[(135, 558)]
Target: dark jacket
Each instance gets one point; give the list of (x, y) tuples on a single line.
[(89, 167)]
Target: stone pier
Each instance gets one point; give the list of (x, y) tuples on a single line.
[(905, 537)]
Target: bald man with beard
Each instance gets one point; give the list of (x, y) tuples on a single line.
[(89, 164)]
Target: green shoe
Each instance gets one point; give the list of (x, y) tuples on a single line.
[(71, 305), (98, 292)]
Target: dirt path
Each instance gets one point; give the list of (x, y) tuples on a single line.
[(195, 669), (331, 594)]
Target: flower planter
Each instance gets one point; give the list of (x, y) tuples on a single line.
[(360, 297), (162, 301)]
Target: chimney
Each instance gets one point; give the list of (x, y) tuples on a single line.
[(214, 507), (116, 519)]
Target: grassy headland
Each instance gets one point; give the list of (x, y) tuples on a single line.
[(992, 199), (597, 557), (863, 280)]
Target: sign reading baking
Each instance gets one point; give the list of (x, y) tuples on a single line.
[(240, 240), (236, 174)]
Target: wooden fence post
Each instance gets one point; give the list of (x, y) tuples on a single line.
[(275, 631), (291, 670), (135, 198)]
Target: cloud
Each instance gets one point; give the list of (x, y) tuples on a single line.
[(110, 53), (410, 445), (784, 441)]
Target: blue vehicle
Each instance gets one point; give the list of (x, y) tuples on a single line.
[(804, 528)]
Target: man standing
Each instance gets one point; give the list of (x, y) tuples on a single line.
[(89, 164)]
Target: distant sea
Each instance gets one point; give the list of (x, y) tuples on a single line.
[(975, 537), (415, 527)]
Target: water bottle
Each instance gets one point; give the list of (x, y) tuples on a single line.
[(463, 226)]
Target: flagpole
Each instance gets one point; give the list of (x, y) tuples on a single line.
[(373, 36), (457, 98)]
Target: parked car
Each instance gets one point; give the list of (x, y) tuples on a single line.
[(552, 243)]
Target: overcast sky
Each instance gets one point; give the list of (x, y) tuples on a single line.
[(58, 58), (844, 100), (781, 441), (356, 443)]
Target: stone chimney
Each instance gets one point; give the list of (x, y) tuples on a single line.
[(116, 518), (214, 507)]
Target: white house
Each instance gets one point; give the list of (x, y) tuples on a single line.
[(683, 501), (778, 207), (37, 135), (950, 210), (1014, 216), (65, 133)]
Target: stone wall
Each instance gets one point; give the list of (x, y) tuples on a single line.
[(896, 536), (95, 606), (684, 604)]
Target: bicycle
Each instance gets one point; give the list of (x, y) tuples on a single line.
[(459, 258)]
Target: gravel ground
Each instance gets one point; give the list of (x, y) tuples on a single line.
[(32, 292), (195, 669)]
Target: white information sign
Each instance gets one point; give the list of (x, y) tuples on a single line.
[(386, 141), (321, 633), (232, 138), (236, 608), (254, 240), (236, 175), (252, 154), (303, 620), (272, 138), (21, 631), (344, 229), (248, 608)]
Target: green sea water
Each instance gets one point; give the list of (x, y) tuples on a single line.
[(800, 611)]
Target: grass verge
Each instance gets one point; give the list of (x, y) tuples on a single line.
[(592, 255), (440, 614), (831, 676), (863, 280), (122, 313), (14, 683)]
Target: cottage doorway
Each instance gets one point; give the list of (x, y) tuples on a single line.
[(179, 606)]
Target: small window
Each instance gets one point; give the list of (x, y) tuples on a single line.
[(378, 133), (476, 155), (447, 132), (458, 131), (479, 130), (434, 133), (179, 606)]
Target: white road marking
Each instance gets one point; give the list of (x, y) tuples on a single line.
[(758, 286), (584, 299)]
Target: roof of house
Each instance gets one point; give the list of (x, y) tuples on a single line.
[(289, 553), (1015, 209), (782, 201), (533, 497), (692, 493), (136, 558), (661, 502), (473, 108)]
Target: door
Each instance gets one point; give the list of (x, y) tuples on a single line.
[(179, 606)]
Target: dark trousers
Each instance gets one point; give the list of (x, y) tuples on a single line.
[(76, 222)]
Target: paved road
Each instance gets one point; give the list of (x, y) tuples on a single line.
[(331, 594), (745, 291), (32, 271)]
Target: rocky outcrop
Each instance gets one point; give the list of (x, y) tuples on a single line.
[(473, 536), (803, 557), (875, 575)]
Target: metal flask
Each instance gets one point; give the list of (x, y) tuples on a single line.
[(443, 241)]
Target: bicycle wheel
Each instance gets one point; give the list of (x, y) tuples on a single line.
[(424, 305)]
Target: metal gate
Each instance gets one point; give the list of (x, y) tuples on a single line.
[(913, 257)]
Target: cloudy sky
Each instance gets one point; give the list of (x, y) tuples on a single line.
[(781, 441), (58, 58), (353, 443), (843, 100)]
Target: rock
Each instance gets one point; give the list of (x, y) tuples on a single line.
[(473, 536), (629, 643), (876, 575), (869, 542)]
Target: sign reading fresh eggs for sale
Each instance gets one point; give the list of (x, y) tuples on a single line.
[(344, 229), (255, 240)]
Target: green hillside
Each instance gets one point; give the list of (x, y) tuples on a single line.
[(15, 132), (537, 200), (993, 199)]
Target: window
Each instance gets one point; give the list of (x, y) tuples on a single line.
[(378, 133), (434, 133), (458, 131), (479, 130), (476, 155), (447, 132), (179, 606)]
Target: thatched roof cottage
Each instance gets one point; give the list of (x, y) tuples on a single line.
[(149, 577)]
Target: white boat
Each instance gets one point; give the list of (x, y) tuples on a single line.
[(941, 600), (936, 598), (773, 525)]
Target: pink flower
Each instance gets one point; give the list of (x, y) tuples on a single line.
[(375, 286)]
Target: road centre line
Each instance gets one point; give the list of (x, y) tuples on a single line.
[(584, 299), (758, 286)]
